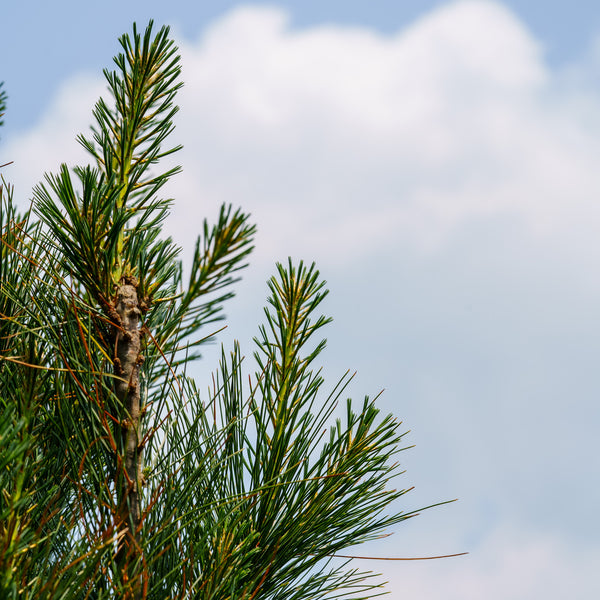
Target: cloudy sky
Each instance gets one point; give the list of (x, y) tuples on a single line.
[(439, 161)]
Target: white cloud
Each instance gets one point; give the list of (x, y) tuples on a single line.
[(52, 140), (361, 139), (508, 565)]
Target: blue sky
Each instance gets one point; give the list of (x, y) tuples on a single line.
[(439, 162)]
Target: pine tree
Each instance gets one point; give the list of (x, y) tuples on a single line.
[(118, 477)]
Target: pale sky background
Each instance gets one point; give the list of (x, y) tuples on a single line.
[(440, 162)]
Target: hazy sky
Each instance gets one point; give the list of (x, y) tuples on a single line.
[(439, 161)]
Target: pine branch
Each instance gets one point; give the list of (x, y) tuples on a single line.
[(3, 99)]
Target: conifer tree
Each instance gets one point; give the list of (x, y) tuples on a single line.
[(119, 477)]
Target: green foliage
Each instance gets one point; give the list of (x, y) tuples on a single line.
[(264, 497), (118, 478)]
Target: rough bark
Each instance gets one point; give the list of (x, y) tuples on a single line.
[(127, 361)]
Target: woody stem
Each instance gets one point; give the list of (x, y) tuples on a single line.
[(129, 464)]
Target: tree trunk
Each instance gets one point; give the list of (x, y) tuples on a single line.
[(129, 457)]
